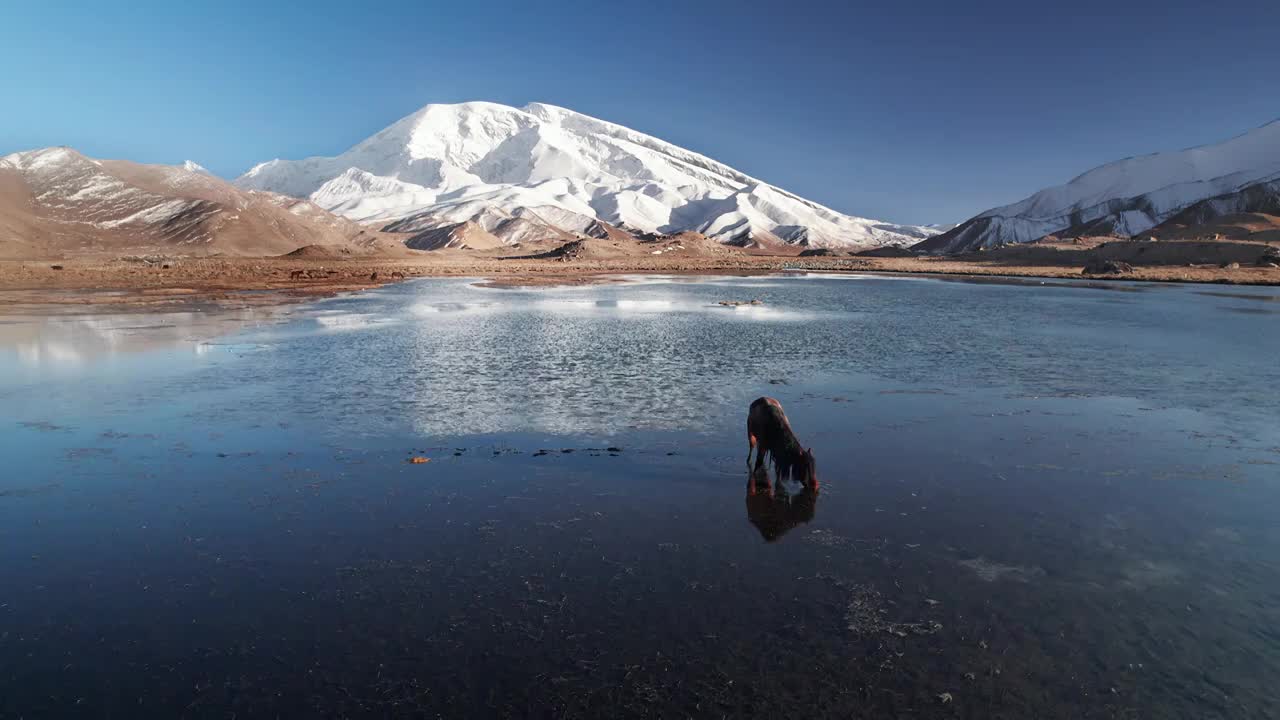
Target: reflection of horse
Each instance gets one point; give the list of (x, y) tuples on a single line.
[(774, 513), (769, 433)]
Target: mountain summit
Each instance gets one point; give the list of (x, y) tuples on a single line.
[(543, 165), (1126, 197)]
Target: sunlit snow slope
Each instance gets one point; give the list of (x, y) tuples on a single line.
[(472, 161)]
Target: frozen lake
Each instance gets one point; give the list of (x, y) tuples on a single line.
[(1038, 500)]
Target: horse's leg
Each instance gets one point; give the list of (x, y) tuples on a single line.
[(759, 481), (751, 445)]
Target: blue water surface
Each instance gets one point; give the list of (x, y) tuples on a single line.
[(1037, 500)]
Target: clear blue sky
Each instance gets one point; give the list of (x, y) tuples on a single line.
[(921, 112)]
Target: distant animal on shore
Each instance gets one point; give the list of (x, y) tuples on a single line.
[(769, 434)]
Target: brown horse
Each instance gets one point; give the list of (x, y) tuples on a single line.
[(769, 433)]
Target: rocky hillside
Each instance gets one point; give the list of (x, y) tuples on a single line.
[(56, 202)]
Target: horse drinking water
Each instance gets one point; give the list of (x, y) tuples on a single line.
[(769, 433)]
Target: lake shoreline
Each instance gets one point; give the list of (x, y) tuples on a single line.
[(95, 285)]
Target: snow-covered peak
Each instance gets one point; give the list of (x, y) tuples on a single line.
[(195, 167), (1254, 152), (459, 135), (459, 161), (45, 159), (1125, 197)]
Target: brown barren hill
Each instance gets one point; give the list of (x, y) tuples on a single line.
[(57, 203), (686, 244), (1252, 213), (616, 244), (765, 243), (457, 236), (592, 249), (1251, 226), (311, 252), (22, 233)]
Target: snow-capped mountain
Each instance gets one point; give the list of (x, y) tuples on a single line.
[(1252, 213), (55, 201), (1124, 198), (484, 162)]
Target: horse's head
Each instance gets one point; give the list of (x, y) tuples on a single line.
[(809, 470)]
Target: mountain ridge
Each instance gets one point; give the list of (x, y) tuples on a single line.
[(1125, 197), (57, 201), (459, 161)]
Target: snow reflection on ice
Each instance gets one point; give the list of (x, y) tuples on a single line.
[(51, 342), (352, 321), (445, 357)]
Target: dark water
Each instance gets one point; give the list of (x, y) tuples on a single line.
[(1037, 501)]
